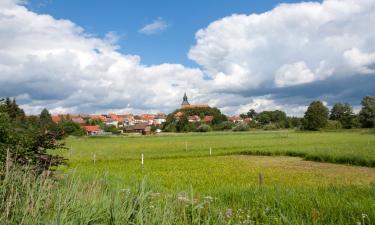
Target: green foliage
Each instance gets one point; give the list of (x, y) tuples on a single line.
[(241, 127), (343, 113), (277, 118), (112, 129), (270, 126), (367, 113), (250, 114), (182, 123), (25, 141), (70, 127), (203, 128), (333, 125), (316, 116), (93, 122), (295, 122), (225, 125), (11, 108)]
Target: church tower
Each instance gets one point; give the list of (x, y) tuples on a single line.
[(185, 101)]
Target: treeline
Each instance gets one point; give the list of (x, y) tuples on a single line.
[(316, 117)]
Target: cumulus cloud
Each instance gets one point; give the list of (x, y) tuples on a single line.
[(53, 63), (281, 59), (292, 44), (155, 27)]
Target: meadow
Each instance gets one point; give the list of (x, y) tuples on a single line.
[(281, 177)]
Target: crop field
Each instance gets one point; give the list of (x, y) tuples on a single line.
[(284, 177)]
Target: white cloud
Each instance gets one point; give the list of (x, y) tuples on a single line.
[(290, 45), (53, 63), (293, 74), (266, 103), (155, 27), (360, 61)]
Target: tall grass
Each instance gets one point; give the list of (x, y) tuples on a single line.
[(27, 199)]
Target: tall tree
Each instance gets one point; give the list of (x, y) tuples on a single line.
[(367, 113), (45, 119), (316, 116), (343, 113)]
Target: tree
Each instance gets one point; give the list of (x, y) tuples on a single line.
[(277, 117), (23, 141), (342, 113), (316, 116), (11, 108), (45, 119), (367, 113), (251, 114)]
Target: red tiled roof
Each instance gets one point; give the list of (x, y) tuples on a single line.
[(91, 128), (234, 118), (56, 118), (196, 106), (208, 119)]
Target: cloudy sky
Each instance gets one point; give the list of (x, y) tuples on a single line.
[(122, 56)]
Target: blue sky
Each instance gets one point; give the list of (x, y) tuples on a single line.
[(126, 18), (141, 56)]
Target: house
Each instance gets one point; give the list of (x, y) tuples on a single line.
[(159, 119), (78, 119), (208, 119), (129, 129), (194, 119), (235, 119), (56, 118), (102, 118), (92, 130), (143, 128), (111, 122)]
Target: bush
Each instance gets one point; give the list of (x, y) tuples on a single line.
[(226, 125), (270, 126), (204, 128), (241, 127), (111, 129), (333, 125)]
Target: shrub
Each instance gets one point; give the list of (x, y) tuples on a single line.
[(333, 125), (204, 128), (226, 125), (270, 126), (241, 127)]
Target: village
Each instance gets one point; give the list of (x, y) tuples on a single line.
[(139, 124)]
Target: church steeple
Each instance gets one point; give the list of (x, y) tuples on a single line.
[(185, 101)]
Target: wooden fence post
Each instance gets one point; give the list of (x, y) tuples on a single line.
[(261, 180)]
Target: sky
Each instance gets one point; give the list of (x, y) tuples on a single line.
[(141, 56)]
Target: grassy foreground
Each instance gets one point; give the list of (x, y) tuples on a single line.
[(181, 183)]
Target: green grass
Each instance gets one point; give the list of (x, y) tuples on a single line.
[(189, 186), (356, 148)]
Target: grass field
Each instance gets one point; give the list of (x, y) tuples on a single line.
[(357, 148), (249, 178), (293, 190)]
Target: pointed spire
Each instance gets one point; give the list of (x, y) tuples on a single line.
[(185, 101)]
